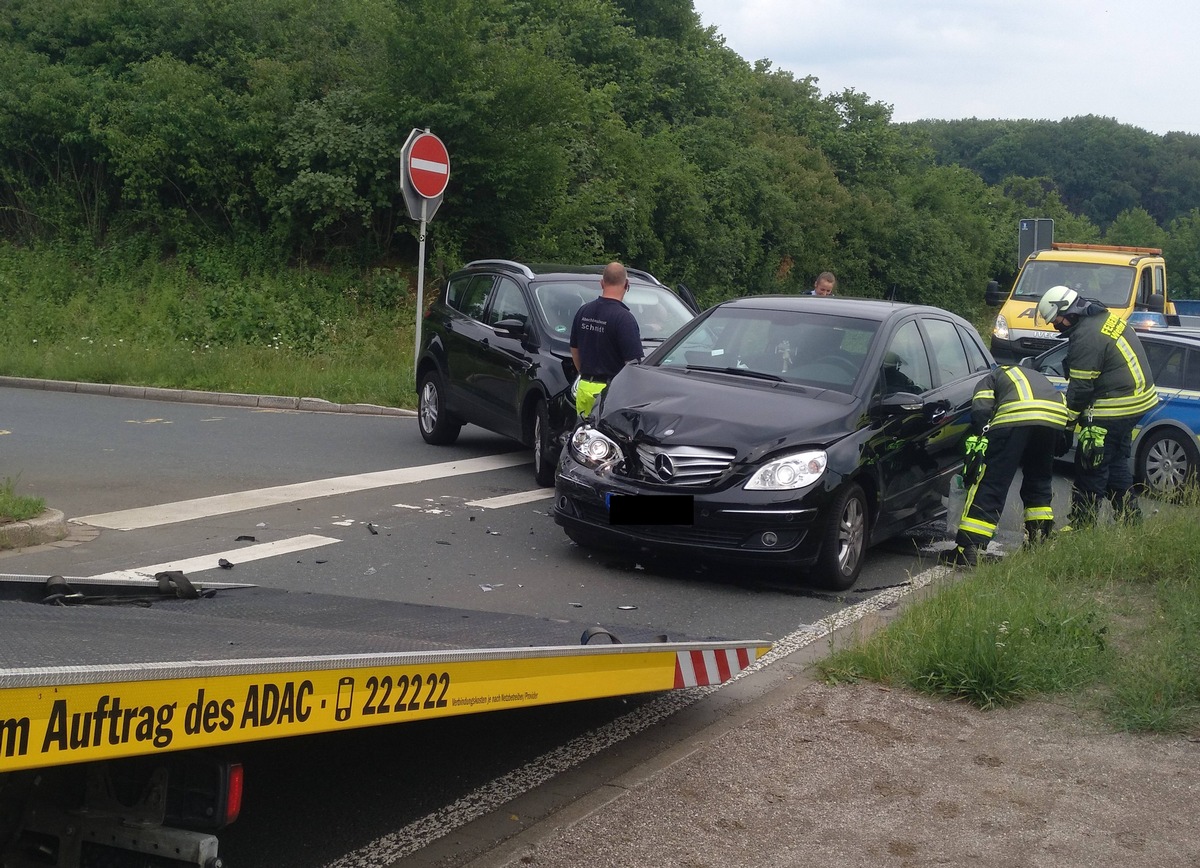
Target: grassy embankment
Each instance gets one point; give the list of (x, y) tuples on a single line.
[(1108, 619), (213, 321)]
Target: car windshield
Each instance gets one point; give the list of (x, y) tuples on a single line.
[(659, 312), (1110, 284), (819, 350)]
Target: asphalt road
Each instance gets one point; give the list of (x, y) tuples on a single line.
[(360, 505)]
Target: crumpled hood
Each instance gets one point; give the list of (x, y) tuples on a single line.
[(668, 405)]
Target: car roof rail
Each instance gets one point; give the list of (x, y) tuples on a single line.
[(644, 275), (502, 263)]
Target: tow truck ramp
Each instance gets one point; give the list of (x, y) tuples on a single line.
[(99, 678)]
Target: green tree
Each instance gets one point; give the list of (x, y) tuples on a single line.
[(1181, 248), (1135, 228)]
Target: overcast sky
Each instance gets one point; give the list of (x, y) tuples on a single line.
[(1137, 62)]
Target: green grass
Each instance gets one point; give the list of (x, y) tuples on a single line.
[(1109, 616), (18, 507), (216, 321)]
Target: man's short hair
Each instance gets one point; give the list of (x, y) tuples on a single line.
[(615, 274)]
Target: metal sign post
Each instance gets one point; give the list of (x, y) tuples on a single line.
[(426, 172), (420, 284)]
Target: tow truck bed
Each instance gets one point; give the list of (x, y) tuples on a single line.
[(119, 669)]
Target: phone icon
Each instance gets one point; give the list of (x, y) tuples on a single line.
[(345, 698)]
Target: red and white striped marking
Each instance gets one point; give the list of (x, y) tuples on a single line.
[(711, 666)]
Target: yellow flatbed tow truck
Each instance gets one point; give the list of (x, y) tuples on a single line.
[(122, 702)]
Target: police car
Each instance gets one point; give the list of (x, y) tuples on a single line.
[(1166, 453)]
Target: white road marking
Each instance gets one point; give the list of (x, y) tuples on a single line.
[(221, 504), (503, 500), (394, 846), (234, 556)]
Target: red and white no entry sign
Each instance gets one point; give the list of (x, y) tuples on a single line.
[(429, 166)]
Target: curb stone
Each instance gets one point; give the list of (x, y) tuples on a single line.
[(195, 396), (50, 526)]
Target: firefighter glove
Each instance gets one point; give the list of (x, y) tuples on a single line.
[(1091, 446), (976, 444)]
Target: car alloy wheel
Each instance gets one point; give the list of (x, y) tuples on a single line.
[(544, 464), (844, 541), (437, 425), (1166, 463)]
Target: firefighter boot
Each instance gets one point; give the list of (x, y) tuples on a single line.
[(1127, 509), (961, 556), (1037, 532)]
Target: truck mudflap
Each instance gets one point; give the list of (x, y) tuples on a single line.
[(118, 670)]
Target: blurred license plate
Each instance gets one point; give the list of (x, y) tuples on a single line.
[(650, 508)]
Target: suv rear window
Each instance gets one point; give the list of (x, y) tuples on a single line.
[(469, 294)]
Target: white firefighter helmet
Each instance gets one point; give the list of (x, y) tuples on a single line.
[(1056, 301)]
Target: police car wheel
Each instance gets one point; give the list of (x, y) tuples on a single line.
[(1166, 463)]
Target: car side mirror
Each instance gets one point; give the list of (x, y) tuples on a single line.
[(993, 295), (1028, 362), (509, 328), (901, 403), (1156, 302)]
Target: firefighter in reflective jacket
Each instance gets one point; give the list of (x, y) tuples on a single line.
[(1019, 416), (1110, 387)]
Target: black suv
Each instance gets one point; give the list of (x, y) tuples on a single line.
[(495, 349)]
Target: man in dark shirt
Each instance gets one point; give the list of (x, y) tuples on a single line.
[(604, 337)]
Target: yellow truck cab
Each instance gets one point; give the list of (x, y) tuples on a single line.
[(1124, 279)]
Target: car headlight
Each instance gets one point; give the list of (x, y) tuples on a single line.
[(1000, 328), (590, 447), (789, 472)]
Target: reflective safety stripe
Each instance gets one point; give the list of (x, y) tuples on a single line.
[(1030, 411), (1126, 405), (1021, 382), (703, 668), (1039, 513), (978, 526)]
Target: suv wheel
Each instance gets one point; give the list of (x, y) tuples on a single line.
[(437, 425), (545, 461)]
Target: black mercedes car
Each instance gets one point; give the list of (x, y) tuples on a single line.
[(495, 349), (791, 432)]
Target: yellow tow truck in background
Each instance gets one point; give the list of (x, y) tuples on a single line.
[(1125, 279)]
